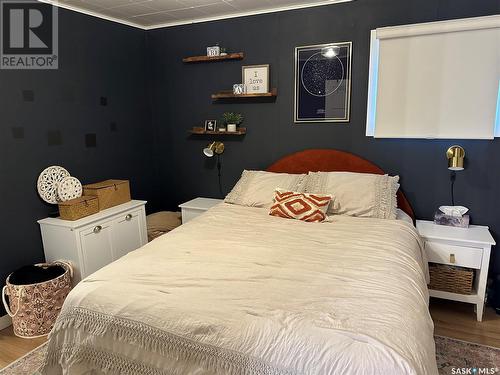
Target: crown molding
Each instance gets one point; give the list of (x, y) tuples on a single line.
[(93, 13), (191, 21)]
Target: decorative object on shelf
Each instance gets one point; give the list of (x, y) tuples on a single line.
[(232, 120), (210, 125), (216, 148), (223, 51), (239, 89), (69, 188), (213, 51), (221, 128), (323, 82), (48, 181), (255, 78)]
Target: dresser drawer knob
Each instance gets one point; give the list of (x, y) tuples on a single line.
[(452, 258), (97, 229), (128, 217)]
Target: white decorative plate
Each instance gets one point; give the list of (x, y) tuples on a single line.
[(69, 188), (47, 182)]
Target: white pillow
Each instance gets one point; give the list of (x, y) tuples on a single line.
[(256, 188), (357, 194)]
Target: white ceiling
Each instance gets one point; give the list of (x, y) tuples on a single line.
[(150, 14)]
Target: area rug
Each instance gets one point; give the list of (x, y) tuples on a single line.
[(27, 364), (452, 356), (461, 357)]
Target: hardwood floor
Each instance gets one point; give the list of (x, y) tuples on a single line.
[(13, 347), (458, 320), (451, 319)]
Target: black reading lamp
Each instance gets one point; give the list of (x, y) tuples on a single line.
[(456, 156), (215, 148)]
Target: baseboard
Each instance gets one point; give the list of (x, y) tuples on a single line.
[(5, 321)]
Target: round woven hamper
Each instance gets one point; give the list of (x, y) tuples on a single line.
[(35, 307)]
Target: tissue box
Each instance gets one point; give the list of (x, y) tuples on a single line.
[(452, 221)]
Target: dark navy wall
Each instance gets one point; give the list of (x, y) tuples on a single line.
[(45, 116), (153, 99), (181, 99)]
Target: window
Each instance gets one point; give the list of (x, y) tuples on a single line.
[(435, 80)]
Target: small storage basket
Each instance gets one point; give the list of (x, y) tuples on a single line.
[(77, 208), (451, 278), (110, 192), (35, 307)]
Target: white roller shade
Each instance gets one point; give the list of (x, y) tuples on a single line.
[(435, 80)]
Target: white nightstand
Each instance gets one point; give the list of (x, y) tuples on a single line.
[(463, 247), (196, 207)]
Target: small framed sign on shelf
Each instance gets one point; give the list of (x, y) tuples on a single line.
[(255, 78), (210, 125), (213, 51)]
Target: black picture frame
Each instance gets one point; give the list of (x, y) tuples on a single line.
[(211, 125), (323, 83)]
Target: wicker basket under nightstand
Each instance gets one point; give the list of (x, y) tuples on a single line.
[(451, 279)]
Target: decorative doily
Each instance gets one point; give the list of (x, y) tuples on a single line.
[(69, 188), (48, 181)]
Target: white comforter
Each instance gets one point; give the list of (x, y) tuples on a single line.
[(236, 291)]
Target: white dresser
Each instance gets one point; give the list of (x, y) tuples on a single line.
[(463, 247), (196, 207), (97, 240)]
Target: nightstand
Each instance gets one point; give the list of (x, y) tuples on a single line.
[(462, 247), (196, 207)]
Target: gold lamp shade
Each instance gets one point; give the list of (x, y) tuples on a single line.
[(214, 147), (455, 155)]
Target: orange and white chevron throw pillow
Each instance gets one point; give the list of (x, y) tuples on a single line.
[(301, 206)]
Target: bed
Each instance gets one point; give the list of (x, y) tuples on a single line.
[(236, 291)]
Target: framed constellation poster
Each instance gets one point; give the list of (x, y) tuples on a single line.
[(323, 82)]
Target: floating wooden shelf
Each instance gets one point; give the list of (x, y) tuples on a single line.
[(199, 59), (200, 130), (229, 95)]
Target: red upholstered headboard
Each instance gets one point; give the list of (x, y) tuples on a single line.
[(332, 161)]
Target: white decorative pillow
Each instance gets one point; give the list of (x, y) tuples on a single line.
[(357, 194), (256, 188)]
